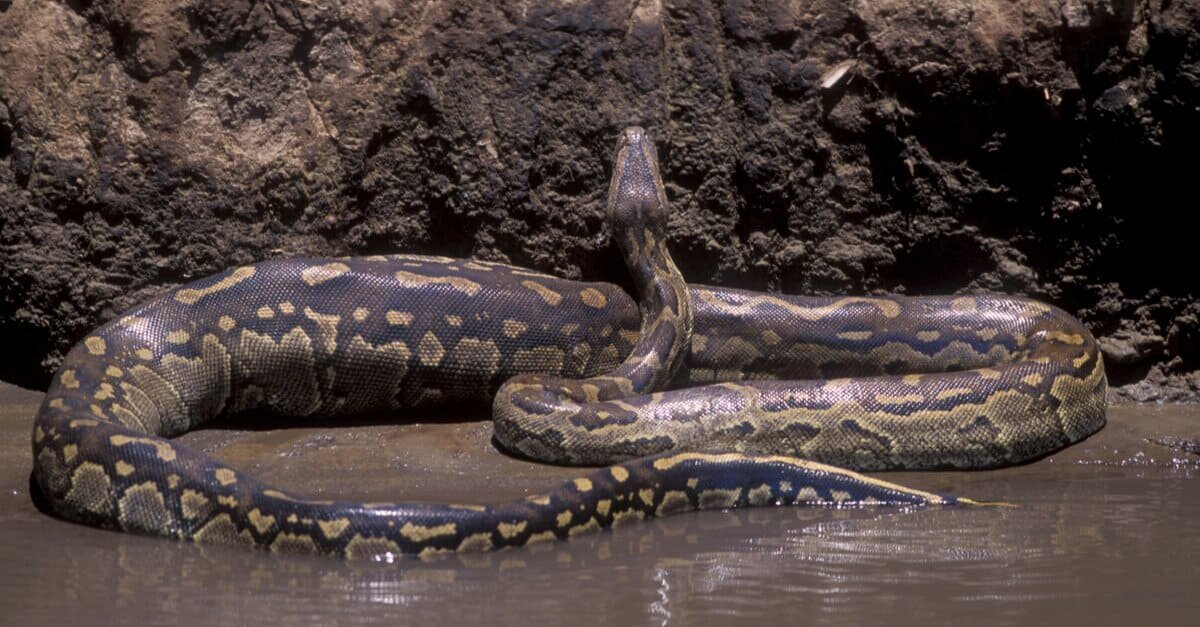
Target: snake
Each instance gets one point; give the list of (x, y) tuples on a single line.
[(688, 397)]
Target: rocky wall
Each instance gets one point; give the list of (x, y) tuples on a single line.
[(1042, 148)]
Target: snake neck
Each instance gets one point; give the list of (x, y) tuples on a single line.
[(637, 211)]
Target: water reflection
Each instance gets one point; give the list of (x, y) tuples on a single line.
[(1087, 534), (1106, 533)]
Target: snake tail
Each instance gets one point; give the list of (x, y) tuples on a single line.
[(157, 488)]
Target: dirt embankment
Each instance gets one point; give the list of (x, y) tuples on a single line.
[(886, 146)]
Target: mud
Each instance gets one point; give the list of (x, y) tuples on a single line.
[(817, 147), (1104, 533)]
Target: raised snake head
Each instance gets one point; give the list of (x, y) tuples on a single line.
[(636, 197)]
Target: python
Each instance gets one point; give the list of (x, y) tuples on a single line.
[(695, 396)]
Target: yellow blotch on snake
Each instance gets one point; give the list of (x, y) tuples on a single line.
[(593, 298), (410, 279), (95, 345), (430, 350), (191, 295), (164, 450), (225, 476), (317, 275), (509, 531), (421, 533), (548, 295), (398, 318)]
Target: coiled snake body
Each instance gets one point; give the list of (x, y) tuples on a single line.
[(768, 389)]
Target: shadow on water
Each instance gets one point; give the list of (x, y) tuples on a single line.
[(1107, 534)]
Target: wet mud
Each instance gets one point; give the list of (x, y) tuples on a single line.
[(1104, 533)]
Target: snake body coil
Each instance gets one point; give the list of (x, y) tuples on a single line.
[(759, 382)]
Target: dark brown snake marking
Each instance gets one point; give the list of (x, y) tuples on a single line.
[(869, 383)]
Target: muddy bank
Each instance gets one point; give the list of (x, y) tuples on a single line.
[(1104, 533), (941, 146)]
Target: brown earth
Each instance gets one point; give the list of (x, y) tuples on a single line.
[(828, 146)]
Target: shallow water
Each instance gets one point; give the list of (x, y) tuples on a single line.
[(1105, 533)]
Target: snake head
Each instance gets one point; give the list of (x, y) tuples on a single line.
[(636, 197)]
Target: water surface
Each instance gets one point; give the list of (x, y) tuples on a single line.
[(1105, 533)]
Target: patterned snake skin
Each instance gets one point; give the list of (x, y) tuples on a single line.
[(764, 390)]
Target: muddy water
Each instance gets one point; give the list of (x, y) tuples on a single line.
[(1106, 533)]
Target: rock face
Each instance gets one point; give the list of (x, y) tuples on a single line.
[(825, 146)]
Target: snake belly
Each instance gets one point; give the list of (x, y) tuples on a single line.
[(767, 391)]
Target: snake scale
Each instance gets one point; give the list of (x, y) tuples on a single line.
[(699, 397)]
